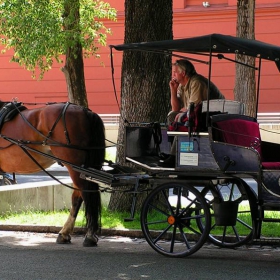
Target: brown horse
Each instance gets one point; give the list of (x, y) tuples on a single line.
[(65, 131)]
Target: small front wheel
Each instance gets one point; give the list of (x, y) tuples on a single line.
[(169, 219)]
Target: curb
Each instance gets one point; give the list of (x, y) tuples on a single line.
[(77, 230), (131, 233)]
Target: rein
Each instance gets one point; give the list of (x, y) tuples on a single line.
[(26, 150)]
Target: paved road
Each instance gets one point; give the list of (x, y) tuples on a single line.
[(36, 256)]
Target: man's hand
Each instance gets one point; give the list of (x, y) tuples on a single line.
[(173, 84)]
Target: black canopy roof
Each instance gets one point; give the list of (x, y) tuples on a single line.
[(215, 43)]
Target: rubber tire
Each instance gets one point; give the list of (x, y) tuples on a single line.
[(178, 203)]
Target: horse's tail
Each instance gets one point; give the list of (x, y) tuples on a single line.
[(96, 156)]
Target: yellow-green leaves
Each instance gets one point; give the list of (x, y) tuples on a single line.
[(40, 31)]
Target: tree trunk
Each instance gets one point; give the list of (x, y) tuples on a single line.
[(74, 64), (145, 76), (245, 82), (74, 75)]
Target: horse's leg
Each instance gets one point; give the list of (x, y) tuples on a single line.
[(64, 234), (89, 193), (91, 239), (92, 201)]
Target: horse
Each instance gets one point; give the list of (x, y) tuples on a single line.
[(36, 138)]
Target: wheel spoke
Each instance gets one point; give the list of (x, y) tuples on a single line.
[(236, 233), (167, 201), (161, 234), (244, 224), (192, 202), (184, 237), (224, 234), (178, 206), (159, 210), (173, 237)]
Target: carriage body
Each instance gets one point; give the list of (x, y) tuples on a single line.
[(223, 170)]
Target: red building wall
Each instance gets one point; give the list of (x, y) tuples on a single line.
[(190, 18)]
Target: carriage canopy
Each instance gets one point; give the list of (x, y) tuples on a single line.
[(212, 43)]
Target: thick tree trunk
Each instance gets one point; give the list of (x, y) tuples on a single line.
[(74, 74), (245, 82), (74, 64), (145, 76)]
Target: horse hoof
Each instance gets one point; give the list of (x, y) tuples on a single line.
[(61, 240), (88, 242)]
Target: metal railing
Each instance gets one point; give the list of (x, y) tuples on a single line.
[(273, 118), (110, 119), (268, 118)]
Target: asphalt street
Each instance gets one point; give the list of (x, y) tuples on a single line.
[(36, 256)]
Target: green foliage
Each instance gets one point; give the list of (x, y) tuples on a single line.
[(111, 153), (40, 31)]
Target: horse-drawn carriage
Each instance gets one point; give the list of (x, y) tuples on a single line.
[(225, 177), (224, 180)]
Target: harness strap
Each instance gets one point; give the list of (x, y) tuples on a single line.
[(61, 116)]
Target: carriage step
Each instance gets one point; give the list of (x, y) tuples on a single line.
[(99, 176)]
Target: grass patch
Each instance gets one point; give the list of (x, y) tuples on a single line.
[(110, 153), (112, 220)]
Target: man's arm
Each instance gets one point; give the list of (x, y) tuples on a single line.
[(174, 100)]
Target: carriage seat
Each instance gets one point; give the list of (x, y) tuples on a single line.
[(189, 121), (197, 119), (244, 131)]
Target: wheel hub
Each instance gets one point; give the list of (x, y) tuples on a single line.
[(171, 220)]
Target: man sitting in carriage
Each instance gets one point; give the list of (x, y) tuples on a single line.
[(187, 88)]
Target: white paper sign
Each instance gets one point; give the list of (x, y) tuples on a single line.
[(189, 159)]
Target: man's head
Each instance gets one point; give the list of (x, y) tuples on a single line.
[(186, 66), (183, 70)]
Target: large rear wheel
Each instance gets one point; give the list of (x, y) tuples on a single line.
[(169, 219), (233, 200)]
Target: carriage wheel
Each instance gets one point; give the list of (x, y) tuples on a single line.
[(230, 235), (169, 219)]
